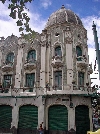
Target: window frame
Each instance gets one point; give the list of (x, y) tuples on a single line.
[(30, 84), (31, 56), (81, 78), (10, 58), (58, 78), (79, 53), (58, 51), (9, 78)]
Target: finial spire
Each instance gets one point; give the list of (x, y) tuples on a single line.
[(62, 7)]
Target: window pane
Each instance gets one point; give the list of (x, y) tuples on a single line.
[(7, 81), (58, 79), (80, 78), (58, 51), (79, 52), (30, 78), (31, 55), (10, 57)]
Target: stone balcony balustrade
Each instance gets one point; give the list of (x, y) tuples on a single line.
[(57, 61), (82, 61), (39, 91), (30, 64), (7, 66)]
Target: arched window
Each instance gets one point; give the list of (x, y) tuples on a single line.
[(31, 57), (10, 58), (58, 51), (79, 52)]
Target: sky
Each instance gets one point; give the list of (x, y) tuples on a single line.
[(39, 12)]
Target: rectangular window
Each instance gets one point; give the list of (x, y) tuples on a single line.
[(30, 79), (80, 79), (58, 80), (7, 81)]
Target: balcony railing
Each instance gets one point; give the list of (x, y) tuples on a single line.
[(57, 61), (82, 61), (30, 64), (38, 91), (7, 66)]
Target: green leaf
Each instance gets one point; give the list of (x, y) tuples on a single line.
[(3, 1), (19, 23), (14, 1), (21, 29), (19, 15), (13, 14)]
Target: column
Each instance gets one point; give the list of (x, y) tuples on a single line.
[(15, 118), (69, 62), (43, 64), (19, 68), (71, 118), (41, 115), (90, 116)]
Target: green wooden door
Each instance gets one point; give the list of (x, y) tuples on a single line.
[(58, 118), (28, 117), (82, 119), (5, 116)]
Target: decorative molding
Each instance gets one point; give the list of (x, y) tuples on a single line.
[(68, 40)]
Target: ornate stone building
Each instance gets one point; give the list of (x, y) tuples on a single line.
[(47, 80)]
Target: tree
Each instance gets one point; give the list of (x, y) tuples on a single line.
[(18, 8)]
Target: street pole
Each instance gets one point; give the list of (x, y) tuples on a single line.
[(96, 47)]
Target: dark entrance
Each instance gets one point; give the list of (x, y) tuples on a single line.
[(5, 118), (28, 119), (58, 119), (82, 119)]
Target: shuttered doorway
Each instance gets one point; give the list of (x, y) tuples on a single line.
[(28, 119), (82, 119), (57, 118), (5, 118)]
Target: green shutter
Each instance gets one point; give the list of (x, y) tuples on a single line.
[(58, 118), (28, 117), (82, 119), (5, 116)]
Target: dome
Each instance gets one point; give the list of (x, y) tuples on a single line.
[(63, 15)]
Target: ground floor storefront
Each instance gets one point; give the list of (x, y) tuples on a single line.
[(58, 114)]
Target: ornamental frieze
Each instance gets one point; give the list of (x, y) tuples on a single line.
[(68, 40)]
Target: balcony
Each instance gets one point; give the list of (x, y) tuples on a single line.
[(70, 89), (30, 64), (7, 66), (90, 70), (39, 91), (82, 61), (57, 61), (84, 90), (5, 91)]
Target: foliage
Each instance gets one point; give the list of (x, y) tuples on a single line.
[(18, 8)]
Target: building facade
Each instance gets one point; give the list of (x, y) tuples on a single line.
[(47, 81)]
